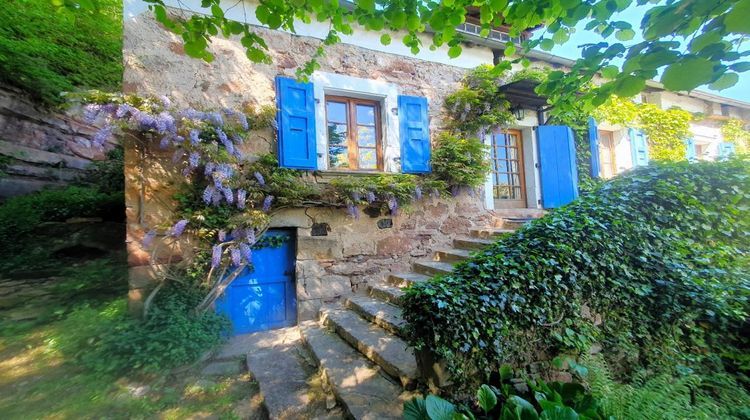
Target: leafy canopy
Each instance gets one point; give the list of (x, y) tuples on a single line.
[(694, 42)]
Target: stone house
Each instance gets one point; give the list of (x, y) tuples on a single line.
[(393, 101)]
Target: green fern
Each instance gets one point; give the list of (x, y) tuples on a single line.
[(665, 396)]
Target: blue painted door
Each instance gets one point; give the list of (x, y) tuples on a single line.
[(264, 298), (557, 165)]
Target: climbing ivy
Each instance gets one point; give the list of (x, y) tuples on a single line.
[(477, 107), (734, 131), (659, 253), (666, 129)]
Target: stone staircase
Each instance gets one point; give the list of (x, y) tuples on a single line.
[(359, 343)]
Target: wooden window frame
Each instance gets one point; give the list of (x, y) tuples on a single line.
[(520, 159), (351, 132)]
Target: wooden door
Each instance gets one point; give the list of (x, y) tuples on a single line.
[(607, 154), (508, 182)]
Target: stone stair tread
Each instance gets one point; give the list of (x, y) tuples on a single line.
[(472, 243), (357, 383), (433, 267), (386, 350), (407, 278), (460, 253), (389, 293), (380, 313), (492, 230)]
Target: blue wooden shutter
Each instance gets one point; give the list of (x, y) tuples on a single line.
[(638, 147), (414, 133), (726, 149), (557, 165), (594, 148), (690, 152), (296, 121)]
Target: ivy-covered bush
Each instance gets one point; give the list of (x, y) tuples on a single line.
[(659, 253), (45, 51), (19, 216), (477, 106), (734, 131), (460, 161)]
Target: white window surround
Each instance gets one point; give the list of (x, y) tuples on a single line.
[(355, 87)]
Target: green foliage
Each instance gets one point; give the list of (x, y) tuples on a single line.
[(108, 176), (666, 130), (543, 401), (660, 253), (19, 216), (704, 51), (171, 336), (668, 396), (45, 51), (478, 107), (734, 131), (460, 161)]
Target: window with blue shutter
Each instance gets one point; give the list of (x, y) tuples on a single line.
[(296, 124), (594, 148), (690, 150), (414, 133), (726, 149), (638, 147), (557, 165)]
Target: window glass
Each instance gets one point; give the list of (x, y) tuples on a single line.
[(354, 139)]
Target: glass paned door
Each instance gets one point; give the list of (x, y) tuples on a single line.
[(508, 186), (607, 154)]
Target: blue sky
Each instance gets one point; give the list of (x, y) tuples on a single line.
[(740, 91)]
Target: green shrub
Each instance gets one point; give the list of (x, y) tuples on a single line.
[(108, 175), (109, 340), (19, 216), (660, 253), (45, 51), (460, 161)]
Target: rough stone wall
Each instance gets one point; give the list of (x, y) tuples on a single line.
[(40, 148), (354, 251)]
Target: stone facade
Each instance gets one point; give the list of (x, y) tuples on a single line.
[(40, 148), (352, 252)]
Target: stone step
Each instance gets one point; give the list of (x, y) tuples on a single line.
[(380, 313), (386, 350), (359, 385), (405, 279), (489, 233), (451, 255), (386, 292), (432, 268), (515, 223), (471, 243)]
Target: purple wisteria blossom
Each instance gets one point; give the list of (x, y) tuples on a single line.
[(222, 236), (165, 102), (370, 196), (208, 193), (260, 179), (236, 256), (216, 256), (247, 252), (214, 118), (243, 121), (148, 238), (91, 113), (225, 141), (194, 159), (124, 110), (250, 235), (178, 228), (228, 194), (455, 190), (195, 137), (418, 192), (241, 198), (164, 142), (353, 211), (102, 136), (267, 203), (435, 193), (356, 196), (393, 205)]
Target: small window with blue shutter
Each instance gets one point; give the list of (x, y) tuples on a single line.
[(296, 124), (414, 133), (726, 150)]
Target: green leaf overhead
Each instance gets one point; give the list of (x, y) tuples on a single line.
[(688, 74)]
